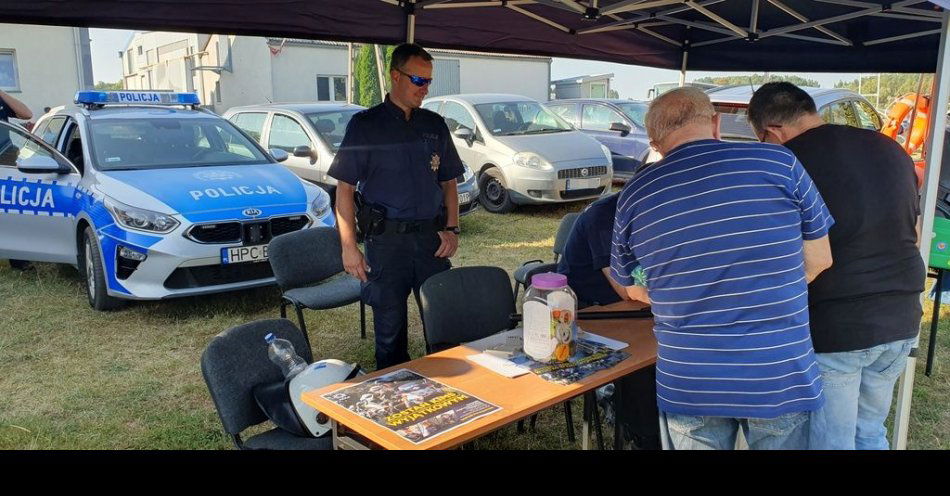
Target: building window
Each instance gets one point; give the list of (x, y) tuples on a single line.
[(140, 49), (217, 91), (331, 88), (598, 90), (9, 78)]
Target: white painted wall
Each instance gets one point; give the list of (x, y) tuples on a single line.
[(296, 69), (528, 77), (250, 82), (47, 64)]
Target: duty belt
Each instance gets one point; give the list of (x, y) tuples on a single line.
[(412, 226)]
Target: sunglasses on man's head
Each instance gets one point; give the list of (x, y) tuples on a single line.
[(416, 80)]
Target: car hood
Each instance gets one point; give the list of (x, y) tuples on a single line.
[(221, 192), (556, 147)]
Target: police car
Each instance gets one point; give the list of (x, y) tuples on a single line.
[(149, 196)]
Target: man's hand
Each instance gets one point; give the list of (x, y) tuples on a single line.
[(450, 243), (354, 263)]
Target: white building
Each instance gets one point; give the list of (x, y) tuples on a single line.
[(228, 71), (44, 66), (596, 86)]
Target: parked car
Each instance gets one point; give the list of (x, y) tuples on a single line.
[(836, 106), (618, 124), (521, 152), (149, 197), (311, 134)]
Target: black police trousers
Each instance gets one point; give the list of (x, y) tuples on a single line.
[(399, 263)]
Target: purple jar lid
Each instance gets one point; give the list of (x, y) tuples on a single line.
[(549, 280)]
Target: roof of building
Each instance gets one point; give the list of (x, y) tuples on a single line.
[(584, 79), (337, 44)]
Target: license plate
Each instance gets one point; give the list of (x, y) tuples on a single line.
[(464, 198), (588, 183), (241, 254)]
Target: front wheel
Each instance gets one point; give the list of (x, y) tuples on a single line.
[(90, 264), (494, 194)]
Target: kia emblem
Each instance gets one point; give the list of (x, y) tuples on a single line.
[(584, 172), (251, 212)]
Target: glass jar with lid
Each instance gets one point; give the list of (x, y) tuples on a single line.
[(550, 311)]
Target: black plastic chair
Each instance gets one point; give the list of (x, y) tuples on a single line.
[(523, 274), (233, 363), (304, 264), (466, 304)]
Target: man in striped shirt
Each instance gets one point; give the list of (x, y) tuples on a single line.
[(728, 236)]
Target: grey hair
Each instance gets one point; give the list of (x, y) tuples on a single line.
[(675, 109)]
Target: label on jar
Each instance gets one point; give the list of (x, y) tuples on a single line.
[(549, 328)]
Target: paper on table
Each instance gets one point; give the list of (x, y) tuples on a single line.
[(498, 365), (610, 343), (501, 341)]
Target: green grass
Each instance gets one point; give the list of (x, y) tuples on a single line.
[(73, 378)]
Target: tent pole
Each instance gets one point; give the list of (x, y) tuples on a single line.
[(349, 73), (928, 201), (683, 69), (379, 71), (411, 28)]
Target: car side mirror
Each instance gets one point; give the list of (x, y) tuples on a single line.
[(278, 154), (619, 126), (304, 151), (39, 164), (465, 134)]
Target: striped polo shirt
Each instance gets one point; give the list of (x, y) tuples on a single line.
[(717, 228)]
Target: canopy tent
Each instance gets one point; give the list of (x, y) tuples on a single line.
[(710, 35)]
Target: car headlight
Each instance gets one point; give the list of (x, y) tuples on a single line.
[(467, 174), (531, 161), (320, 206), (139, 218), (610, 158)]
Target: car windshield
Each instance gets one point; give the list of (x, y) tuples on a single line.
[(331, 126), (636, 112), (122, 144), (518, 118), (734, 121)]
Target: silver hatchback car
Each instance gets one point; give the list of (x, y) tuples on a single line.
[(522, 152), (311, 134)]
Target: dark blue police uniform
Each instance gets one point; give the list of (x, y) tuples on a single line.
[(587, 251), (398, 165)]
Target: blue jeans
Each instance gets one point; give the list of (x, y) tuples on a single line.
[(859, 386), (689, 432)]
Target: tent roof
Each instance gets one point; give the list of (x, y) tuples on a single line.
[(772, 35)]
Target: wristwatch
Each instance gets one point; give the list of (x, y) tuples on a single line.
[(453, 229)]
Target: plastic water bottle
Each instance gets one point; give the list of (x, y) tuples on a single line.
[(282, 353)]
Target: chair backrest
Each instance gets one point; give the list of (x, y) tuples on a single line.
[(563, 232), (465, 304), (305, 257), (236, 360)]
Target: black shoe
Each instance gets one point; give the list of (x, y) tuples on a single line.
[(21, 265)]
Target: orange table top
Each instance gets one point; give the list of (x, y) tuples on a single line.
[(518, 397)]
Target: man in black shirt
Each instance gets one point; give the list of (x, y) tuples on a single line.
[(11, 107), (865, 310)]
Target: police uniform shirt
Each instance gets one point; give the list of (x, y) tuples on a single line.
[(587, 251), (398, 164)]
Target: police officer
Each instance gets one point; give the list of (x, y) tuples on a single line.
[(11, 107), (402, 161)]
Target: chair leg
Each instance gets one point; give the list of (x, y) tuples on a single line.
[(362, 320), (303, 324), (283, 308), (569, 420), (517, 287)]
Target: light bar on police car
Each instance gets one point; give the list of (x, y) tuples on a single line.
[(133, 97)]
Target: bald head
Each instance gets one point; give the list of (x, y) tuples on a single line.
[(681, 115)]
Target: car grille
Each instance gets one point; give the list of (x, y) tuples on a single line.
[(580, 193), (228, 232), (592, 171), (214, 275), (284, 225), (250, 232)]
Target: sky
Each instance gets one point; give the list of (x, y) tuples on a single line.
[(630, 81)]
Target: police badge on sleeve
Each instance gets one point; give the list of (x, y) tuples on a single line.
[(434, 162)]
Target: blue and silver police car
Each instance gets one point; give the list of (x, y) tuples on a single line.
[(149, 196)]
